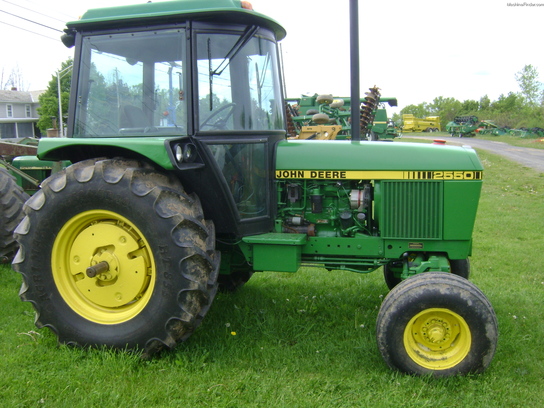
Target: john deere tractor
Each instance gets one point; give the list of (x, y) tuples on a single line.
[(183, 181)]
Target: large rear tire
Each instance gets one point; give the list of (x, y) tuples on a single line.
[(12, 199), (114, 253), (437, 323)]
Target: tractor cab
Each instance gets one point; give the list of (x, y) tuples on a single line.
[(202, 80)]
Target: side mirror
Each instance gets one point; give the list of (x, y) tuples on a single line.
[(68, 38)]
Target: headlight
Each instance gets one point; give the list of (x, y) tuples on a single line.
[(178, 153), (189, 153)]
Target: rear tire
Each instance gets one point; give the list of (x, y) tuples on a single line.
[(437, 323), (12, 199), (235, 280), (160, 254)]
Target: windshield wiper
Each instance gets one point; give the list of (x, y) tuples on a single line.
[(242, 41)]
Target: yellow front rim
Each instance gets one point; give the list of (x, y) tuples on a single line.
[(437, 339), (121, 289)]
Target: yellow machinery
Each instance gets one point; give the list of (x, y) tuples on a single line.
[(428, 124)]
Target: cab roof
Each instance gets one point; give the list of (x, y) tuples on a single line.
[(227, 11)]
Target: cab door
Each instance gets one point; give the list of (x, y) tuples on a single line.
[(238, 118)]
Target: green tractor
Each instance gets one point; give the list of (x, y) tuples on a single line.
[(183, 182)]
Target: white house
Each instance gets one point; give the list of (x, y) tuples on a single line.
[(18, 114)]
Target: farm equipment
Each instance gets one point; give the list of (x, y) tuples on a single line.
[(382, 127), (488, 127), (463, 126), (328, 117), (413, 124), (20, 175), (526, 133), (183, 181)]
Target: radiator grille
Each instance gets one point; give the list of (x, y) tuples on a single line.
[(412, 209)]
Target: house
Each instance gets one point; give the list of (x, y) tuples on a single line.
[(18, 114)]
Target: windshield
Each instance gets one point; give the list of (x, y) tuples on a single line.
[(138, 84), (131, 84), (238, 82)]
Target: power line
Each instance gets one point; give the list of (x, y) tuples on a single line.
[(34, 11), (44, 6), (31, 21), (33, 32)]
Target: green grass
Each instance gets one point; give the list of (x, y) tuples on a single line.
[(306, 339)]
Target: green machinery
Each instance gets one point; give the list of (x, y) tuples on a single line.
[(488, 127), (20, 175), (328, 117), (383, 127), (183, 181), (463, 126)]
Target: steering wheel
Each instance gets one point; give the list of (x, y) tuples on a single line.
[(221, 122)]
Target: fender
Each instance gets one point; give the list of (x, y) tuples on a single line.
[(73, 149)]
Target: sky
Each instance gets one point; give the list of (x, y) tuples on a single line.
[(412, 50)]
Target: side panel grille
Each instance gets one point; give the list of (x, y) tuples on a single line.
[(412, 209)]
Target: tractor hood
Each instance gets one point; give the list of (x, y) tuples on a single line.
[(327, 159)]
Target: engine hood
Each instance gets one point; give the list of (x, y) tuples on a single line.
[(331, 159)]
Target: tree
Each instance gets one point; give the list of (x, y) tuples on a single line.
[(509, 103), (446, 108), (419, 111), (15, 80), (485, 102), (49, 100), (530, 85), (469, 107)]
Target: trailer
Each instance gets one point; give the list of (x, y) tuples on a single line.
[(427, 124)]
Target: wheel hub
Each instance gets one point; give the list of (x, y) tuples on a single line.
[(436, 331), (437, 338), (103, 266)]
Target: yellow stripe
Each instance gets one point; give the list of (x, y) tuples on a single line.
[(378, 175)]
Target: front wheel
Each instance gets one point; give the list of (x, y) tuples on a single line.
[(437, 323), (114, 253)]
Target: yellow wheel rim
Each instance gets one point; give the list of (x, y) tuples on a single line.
[(437, 339), (123, 285)]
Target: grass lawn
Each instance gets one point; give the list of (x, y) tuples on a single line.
[(306, 339)]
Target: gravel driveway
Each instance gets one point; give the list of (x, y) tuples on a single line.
[(532, 158)]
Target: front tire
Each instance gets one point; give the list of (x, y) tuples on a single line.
[(161, 267), (437, 323)]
